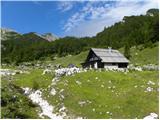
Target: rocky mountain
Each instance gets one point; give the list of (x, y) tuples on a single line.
[(32, 36), (132, 31), (9, 34), (50, 37)]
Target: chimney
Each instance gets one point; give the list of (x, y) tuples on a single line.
[(110, 49)]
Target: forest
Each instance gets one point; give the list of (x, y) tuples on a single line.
[(131, 31)]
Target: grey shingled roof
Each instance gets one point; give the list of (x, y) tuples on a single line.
[(110, 56)]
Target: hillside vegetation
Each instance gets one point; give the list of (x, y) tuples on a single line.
[(88, 93), (131, 31), (91, 94), (14, 104), (139, 56), (149, 55)]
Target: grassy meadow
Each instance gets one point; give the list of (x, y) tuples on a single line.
[(108, 94), (92, 94), (139, 56), (34, 78)]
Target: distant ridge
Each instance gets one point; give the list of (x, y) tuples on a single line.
[(50, 37), (8, 34)]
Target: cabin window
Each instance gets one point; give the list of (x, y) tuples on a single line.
[(122, 65), (113, 63)]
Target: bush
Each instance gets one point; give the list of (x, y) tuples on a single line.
[(14, 104)]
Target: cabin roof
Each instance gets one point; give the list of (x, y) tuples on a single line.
[(110, 55)]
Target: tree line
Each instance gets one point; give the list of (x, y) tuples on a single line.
[(131, 31)]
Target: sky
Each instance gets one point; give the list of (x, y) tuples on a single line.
[(69, 18)]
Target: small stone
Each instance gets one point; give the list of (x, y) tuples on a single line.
[(135, 86), (102, 86), (107, 112)]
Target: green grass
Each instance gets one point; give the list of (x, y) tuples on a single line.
[(123, 101), (138, 57), (72, 59), (133, 102), (16, 107), (27, 80), (145, 56), (12, 67)]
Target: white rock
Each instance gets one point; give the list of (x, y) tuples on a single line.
[(150, 83), (61, 90), (53, 92), (149, 89), (109, 81), (62, 109), (107, 112), (46, 71), (78, 82), (47, 109), (135, 86), (81, 103), (26, 90), (102, 86), (151, 116), (67, 71)]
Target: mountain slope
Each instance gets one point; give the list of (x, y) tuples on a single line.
[(131, 31), (50, 37), (32, 36), (139, 56), (8, 34)]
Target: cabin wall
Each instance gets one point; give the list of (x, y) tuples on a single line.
[(122, 65), (92, 57), (99, 64), (110, 65), (93, 64)]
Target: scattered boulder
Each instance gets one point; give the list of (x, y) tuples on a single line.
[(150, 67), (151, 116), (71, 66), (67, 71), (46, 71)]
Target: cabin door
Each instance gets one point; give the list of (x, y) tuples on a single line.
[(95, 65)]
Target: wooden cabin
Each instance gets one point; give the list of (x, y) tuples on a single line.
[(105, 58)]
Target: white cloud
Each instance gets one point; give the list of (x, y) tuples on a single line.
[(65, 5), (94, 16)]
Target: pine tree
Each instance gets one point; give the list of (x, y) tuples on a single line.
[(127, 51)]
